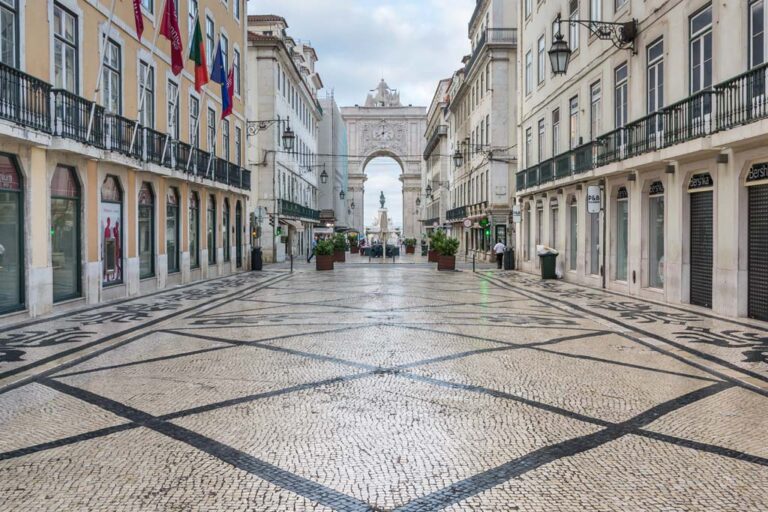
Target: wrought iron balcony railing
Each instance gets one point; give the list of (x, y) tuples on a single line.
[(439, 131), (456, 213), (292, 209), (24, 99)]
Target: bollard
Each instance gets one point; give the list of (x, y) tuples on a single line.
[(291, 263), (474, 257)]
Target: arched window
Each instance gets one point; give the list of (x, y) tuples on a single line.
[(211, 221), (238, 235), (65, 234), (146, 231), (573, 234), (172, 229), (622, 233), (656, 235), (112, 231), (225, 230), (11, 235), (194, 230)]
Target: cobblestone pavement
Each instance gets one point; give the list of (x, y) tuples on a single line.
[(384, 388)]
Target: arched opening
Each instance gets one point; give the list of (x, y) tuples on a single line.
[(383, 177)]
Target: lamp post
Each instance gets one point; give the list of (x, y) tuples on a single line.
[(288, 137), (621, 34), (323, 177)]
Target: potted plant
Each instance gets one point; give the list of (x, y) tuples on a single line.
[(339, 247), (447, 249), (354, 248), (410, 245), (324, 255), (435, 238)]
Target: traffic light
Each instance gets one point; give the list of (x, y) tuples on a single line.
[(488, 232), (271, 220), (279, 231)]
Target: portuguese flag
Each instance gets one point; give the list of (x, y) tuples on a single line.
[(197, 55)]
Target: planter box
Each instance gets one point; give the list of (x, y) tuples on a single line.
[(432, 256), (410, 249), (324, 262), (354, 249), (446, 263), (339, 256)]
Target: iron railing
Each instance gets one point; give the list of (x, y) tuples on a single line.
[(439, 131), (24, 99), (292, 209), (456, 213)]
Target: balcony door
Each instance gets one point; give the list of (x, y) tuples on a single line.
[(9, 35), (700, 71), (655, 78)]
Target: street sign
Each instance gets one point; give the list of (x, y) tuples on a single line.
[(467, 223), (593, 199), (517, 214)]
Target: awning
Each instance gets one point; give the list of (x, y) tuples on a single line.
[(323, 231), (298, 226)]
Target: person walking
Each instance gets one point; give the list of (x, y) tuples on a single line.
[(314, 247), (499, 249)]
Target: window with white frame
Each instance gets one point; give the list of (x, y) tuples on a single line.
[(555, 132), (528, 72), (147, 113), (595, 10), (595, 109), (618, 4), (211, 127), (65, 49), (236, 70), (112, 78), (236, 8), (701, 54), (528, 144), (9, 35), (172, 91), (621, 87), (573, 28), (573, 127), (542, 58), (542, 141), (194, 115), (756, 32), (148, 5), (528, 7), (655, 76), (210, 31), (225, 51), (656, 235), (225, 139), (192, 10), (573, 234), (238, 145)]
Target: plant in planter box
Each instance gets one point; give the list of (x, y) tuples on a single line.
[(435, 239), (410, 245), (447, 249), (353, 243), (339, 247), (324, 255)]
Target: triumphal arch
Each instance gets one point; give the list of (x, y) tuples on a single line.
[(384, 127)]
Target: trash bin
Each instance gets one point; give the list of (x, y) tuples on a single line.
[(509, 259), (548, 266), (256, 262)]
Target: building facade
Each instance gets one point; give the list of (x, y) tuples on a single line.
[(667, 138), (282, 93), (437, 162), (101, 200), (482, 129), (335, 208)]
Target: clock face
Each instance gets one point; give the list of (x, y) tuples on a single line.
[(383, 132)]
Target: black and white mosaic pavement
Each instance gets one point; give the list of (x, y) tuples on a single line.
[(384, 388)]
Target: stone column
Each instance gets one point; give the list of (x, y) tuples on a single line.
[(132, 271), (730, 201), (93, 236), (40, 287), (411, 190), (673, 236)]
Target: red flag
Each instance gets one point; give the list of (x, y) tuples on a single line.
[(228, 102), (138, 18), (169, 28)]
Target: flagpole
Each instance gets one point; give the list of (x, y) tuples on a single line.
[(178, 93), (101, 67)]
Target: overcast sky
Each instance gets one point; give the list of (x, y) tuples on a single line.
[(412, 44)]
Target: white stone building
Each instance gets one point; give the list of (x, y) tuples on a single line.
[(335, 212), (282, 94), (437, 162), (672, 130), (482, 129)]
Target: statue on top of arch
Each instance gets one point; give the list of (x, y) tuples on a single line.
[(384, 97)]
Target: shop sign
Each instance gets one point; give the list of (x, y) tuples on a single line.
[(467, 223), (517, 214), (758, 172), (700, 181), (593, 199)]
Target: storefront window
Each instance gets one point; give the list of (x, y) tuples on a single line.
[(553, 223), (594, 243), (211, 230), (622, 238), (656, 235), (194, 230), (11, 239), (65, 234), (172, 229), (573, 229), (527, 241), (146, 231), (225, 230), (112, 230)]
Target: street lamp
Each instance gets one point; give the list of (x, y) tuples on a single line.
[(342, 195), (418, 202), (458, 158), (559, 55), (288, 138), (352, 205), (323, 177), (429, 190)]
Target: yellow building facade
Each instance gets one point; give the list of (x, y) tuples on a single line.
[(100, 200)]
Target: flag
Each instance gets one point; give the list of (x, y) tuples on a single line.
[(138, 18), (218, 73), (227, 93), (169, 28), (197, 55)]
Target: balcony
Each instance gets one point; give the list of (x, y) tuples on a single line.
[(29, 102), (291, 209), (441, 130), (491, 36), (456, 213), (738, 101)]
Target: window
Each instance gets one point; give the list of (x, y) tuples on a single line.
[(147, 5), (556, 132), (656, 235), (596, 10), (9, 35), (595, 95), (656, 76), (111, 227), (224, 51), (225, 230), (238, 146), (65, 234), (194, 230), (553, 210), (173, 109), (620, 95), (701, 58), (528, 144), (542, 59), (541, 141), (618, 4), (111, 79), (172, 230), (211, 131), (211, 226), (225, 138), (622, 233), (146, 231), (756, 33), (147, 114), (573, 235), (574, 122), (528, 72), (194, 115), (236, 69), (528, 7), (236, 7), (209, 39), (527, 241), (574, 27), (65, 50), (11, 235), (192, 10), (594, 243)]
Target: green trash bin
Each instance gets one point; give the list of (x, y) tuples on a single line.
[(548, 266)]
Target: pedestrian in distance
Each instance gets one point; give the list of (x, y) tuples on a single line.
[(499, 249), (314, 247)]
